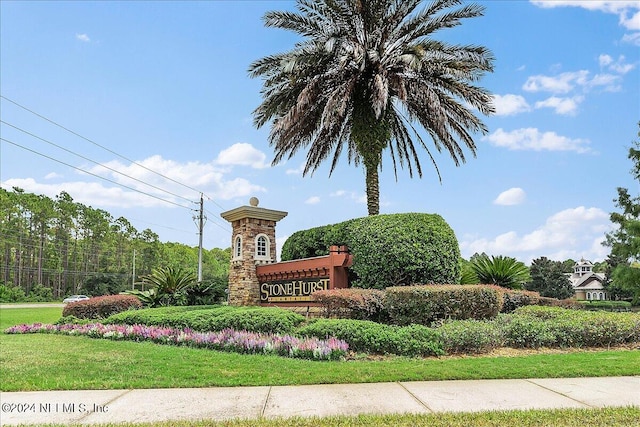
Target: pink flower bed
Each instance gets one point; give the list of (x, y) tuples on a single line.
[(226, 340)]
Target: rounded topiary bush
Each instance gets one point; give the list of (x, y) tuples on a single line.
[(315, 241), (403, 249), (388, 250)]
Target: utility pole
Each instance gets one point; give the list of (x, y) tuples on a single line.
[(133, 274), (200, 233)]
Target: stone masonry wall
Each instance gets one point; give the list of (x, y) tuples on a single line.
[(244, 288)]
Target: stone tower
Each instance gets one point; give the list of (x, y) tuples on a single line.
[(253, 242)]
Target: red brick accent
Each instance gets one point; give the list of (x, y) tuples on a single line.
[(334, 266)]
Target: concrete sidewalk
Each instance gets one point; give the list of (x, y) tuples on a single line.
[(222, 403)]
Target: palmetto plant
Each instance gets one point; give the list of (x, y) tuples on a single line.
[(363, 75), (500, 270), (165, 286)]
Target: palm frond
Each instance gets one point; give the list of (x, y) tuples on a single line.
[(369, 76)]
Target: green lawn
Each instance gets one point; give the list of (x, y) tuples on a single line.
[(607, 417), (16, 316), (57, 362)]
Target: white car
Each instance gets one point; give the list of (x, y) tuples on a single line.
[(75, 298)]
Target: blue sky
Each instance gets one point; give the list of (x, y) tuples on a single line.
[(165, 85)]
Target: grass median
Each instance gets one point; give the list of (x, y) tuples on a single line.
[(54, 362)]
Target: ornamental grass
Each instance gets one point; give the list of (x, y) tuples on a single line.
[(226, 340)]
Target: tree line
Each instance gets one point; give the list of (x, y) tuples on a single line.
[(56, 247)]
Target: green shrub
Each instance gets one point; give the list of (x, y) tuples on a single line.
[(72, 320), (403, 249), (306, 244), (10, 293), (165, 286), (418, 340), (261, 319), (428, 303), (606, 305), (558, 327), (353, 303), (40, 293), (470, 336), (371, 337), (101, 307), (396, 249), (561, 303), (216, 318), (523, 332), (513, 299), (208, 292), (500, 270), (174, 317), (315, 241), (541, 312)]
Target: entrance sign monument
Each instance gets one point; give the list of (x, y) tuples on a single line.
[(255, 278)]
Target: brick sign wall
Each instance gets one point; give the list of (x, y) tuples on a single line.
[(293, 282)]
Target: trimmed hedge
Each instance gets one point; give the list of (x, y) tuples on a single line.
[(101, 307), (371, 337), (557, 327), (526, 327), (388, 250), (470, 336), (316, 241), (513, 298), (429, 303), (215, 318), (403, 249), (353, 303), (606, 305)]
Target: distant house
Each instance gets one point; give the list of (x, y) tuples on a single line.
[(587, 284)]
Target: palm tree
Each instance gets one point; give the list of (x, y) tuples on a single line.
[(361, 77), (500, 270)]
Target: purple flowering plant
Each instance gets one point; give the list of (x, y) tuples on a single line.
[(226, 340)]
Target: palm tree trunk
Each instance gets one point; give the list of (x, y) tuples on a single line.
[(373, 188)]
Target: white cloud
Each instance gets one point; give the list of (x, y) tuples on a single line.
[(628, 12), (52, 175), (508, 105), (633, 38), (569, 81), (605, 60), (297, 171), (351, 195), (562, 83), (571, 233), (510, 197), (242, 154), (563, 106), (312, 200), (619, 66), (534, 140), (83, 38), (88, 193), (207, 177), (238, 187), (632, 22), (622, 8)]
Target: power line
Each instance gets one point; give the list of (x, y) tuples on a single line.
[(97, 176), (105, 148), (214, 202), (216, 223), (95, 162)]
